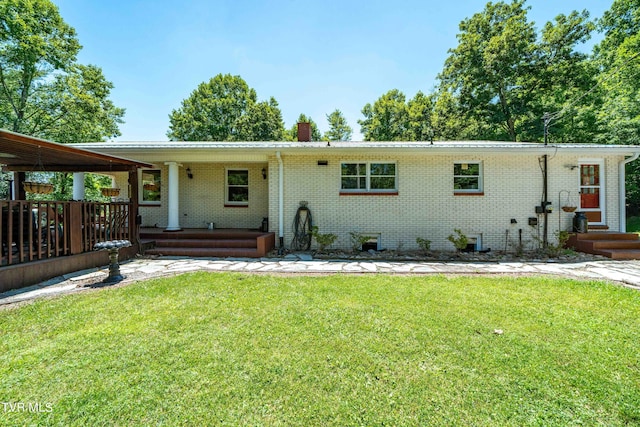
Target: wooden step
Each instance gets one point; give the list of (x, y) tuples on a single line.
[(620, 253), (200, 234), (605, 235), (613, 244), (610, 244), (208, 243), (205, 252)]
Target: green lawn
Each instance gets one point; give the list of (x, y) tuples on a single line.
[(241, 349)]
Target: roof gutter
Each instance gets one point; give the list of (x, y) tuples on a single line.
[(622, 203)]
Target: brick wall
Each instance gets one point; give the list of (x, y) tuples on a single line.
[(202, 198), (426, 205)]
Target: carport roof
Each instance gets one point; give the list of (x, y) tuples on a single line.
[(22, 153)]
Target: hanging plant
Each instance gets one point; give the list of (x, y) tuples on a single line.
[(37, 187), (569, 203), (110, 192)]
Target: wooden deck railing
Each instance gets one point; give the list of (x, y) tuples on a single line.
[(31, 230)]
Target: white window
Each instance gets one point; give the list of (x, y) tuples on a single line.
[(371, 176), (151, 189), (467, 177), (237, 187)]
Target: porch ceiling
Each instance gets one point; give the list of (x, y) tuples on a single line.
[(22, 153)]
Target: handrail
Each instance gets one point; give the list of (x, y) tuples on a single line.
[(35, 230)]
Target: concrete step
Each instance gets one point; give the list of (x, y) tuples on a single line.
[(204, 252)]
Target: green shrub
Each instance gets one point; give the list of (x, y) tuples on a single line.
[(460, 241), (424, 244), (554, 250), (357, 240), (323, 240)]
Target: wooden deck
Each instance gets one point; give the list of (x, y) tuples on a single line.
[(38, 230), (196, 242), (44, 239)]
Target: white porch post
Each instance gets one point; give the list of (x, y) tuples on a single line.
[(78, 186), (173, 202)]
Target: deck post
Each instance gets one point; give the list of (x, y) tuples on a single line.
[(76, 228), (78, 186)]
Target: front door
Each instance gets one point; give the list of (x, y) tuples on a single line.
[(592, 190)]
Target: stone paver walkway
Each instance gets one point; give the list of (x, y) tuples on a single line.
[(626, 273)]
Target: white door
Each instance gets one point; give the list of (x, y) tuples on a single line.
[(592, 188)]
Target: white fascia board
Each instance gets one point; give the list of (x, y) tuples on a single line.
[(259, 151)]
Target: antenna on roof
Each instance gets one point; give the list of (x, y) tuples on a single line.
[(549, 117)]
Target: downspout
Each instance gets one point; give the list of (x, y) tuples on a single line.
[(280, 203), (545, 183), (622, 191)]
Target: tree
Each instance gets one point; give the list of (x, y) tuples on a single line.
[(34, 42), (387, 119), (315, 132), (420, 111), (339, 129), (226, 109), (617, 56), (77, 108), (43, 91), (261, 122), (503, 78), (392, 118), (566, 82), (211, 111)]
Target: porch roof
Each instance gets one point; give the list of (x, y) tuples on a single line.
[(22, 153), (260, 151)]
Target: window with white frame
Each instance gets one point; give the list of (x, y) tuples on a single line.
[(151, 180), (237, 187), (467, 177), (368, 177)]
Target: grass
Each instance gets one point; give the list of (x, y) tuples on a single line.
[(239, 349)]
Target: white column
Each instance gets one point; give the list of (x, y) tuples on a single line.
[(173, 202), (78, 186)]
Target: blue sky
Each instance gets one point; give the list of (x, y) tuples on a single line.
[(312, 56)]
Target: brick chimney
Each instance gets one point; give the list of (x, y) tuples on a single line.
[(304, 132)]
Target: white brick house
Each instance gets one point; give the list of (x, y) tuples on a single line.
[(394, 191)]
